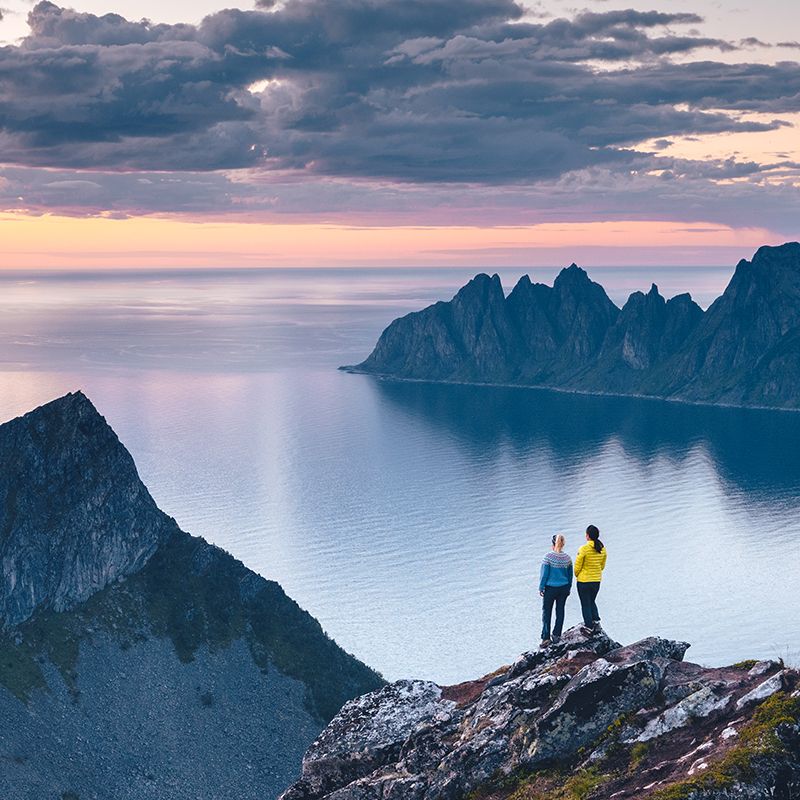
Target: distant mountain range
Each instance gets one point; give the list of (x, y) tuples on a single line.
[(744, 350), (137, 661)]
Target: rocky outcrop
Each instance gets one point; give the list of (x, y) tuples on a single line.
[(75, 516), (745, 350), (584, 718), (137, 661)]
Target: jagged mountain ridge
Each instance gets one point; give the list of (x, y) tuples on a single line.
[(137, 661), (744, 350), (585, 718)]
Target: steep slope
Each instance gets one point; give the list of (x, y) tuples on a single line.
[(67, 490), (585, 718), (534, 334), (758, 308), (186, 675), (648, 333), (742, 351), (461, 340)]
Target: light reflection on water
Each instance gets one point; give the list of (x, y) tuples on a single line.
[(410, 519)]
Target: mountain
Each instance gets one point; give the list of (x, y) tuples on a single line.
[(585, 719), (744, 350), (137, 661)]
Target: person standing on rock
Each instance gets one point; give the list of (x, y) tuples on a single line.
[(555, 584), (589, 566)]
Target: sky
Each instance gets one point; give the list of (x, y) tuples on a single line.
[(397, 132)]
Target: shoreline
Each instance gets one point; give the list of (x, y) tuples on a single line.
[(354, 370)]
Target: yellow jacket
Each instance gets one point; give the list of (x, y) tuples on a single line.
[(589, 564)]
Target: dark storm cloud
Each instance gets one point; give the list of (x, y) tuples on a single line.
[(425, 91)]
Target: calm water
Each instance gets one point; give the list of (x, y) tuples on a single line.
[(410, 518)]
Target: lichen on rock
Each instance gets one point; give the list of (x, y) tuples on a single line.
[(584, 719)]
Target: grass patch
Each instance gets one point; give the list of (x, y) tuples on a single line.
[(745, 665), (637, 754), (758, 739), (580, 785)]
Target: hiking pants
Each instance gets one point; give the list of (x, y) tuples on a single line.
[(588, 595), (553, 595)]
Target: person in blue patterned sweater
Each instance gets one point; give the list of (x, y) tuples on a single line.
[(555, 584)]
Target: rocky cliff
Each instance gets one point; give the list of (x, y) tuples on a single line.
[(584, 719), (745, 350), (137, 661), (75, 516)]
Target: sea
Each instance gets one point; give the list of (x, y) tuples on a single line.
[(410, 519)]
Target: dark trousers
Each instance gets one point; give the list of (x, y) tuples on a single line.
[(588, 595), (553, 595)]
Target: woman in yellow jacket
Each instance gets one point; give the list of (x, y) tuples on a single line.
[(589, 567)]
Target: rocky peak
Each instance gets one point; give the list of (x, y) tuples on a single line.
[(639, 329), (572, 275), (480, 324), (581, 312), (760, 306), (773, 276), (529, 306), (783, 256), (623, 722), (772, 270), (75, 516), (481, 288)]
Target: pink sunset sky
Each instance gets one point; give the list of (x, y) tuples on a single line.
[(396, 132)]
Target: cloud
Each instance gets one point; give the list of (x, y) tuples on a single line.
[(679, 190), (419, 90), (368, 101)]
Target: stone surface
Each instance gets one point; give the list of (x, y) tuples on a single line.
[(634, 720), (146, 726), (745, 350), (702, 703), (75, 516), (770, 686)]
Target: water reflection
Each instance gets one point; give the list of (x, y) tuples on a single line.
[(753, 451), (410, 519)]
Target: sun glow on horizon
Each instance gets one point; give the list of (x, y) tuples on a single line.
[(56, 242)]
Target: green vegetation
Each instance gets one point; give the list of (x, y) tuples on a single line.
[(219, 601), (197, 597), (578, 786), (745, 665), (758, 739), (637, 754), (19, 671), (44, 637), (569, 782)]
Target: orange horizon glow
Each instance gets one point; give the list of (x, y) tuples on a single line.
[(55, 242)]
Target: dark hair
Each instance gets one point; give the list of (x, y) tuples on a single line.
[(594, 534)]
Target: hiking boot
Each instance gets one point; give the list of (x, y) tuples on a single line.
[(555, 640), (586, 630), (545, 643)]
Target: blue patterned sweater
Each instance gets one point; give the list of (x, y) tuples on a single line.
[(556, 570)]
